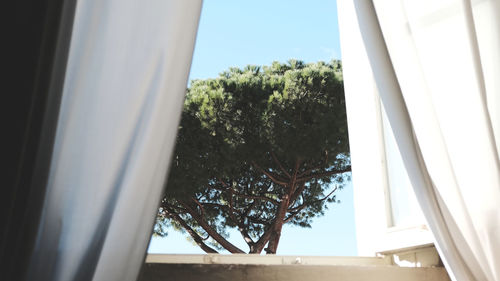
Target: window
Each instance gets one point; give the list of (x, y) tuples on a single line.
[(387, 216), (404, 208)]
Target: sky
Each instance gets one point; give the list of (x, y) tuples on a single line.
[(241, 32)]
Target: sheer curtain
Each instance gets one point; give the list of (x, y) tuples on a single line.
[(123, 91), (436, 64)]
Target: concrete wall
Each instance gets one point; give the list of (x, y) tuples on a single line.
[(286, 268), (234, 272)]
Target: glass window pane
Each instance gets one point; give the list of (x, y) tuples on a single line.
[(405, 210)]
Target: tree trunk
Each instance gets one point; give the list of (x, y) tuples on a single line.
[(278, 225)]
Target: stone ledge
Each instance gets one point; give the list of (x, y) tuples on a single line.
[(281, 268)]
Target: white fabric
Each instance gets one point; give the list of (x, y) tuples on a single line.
[(126, 78), (437, 68)]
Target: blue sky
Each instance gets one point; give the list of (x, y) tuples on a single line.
[(242, 32)]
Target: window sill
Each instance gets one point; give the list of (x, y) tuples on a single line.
[(289, 268)]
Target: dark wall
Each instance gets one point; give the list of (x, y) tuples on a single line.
[(37, 39)]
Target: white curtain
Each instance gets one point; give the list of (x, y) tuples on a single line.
[(436, 64), (124, 87)]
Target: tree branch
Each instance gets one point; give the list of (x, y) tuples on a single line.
[(324, 198), (202, 210), (292, 215), (214, 205), (197, 239), (280, 165), (246, 236), (258, 221), (231, 209), (247, 211), (256, 197), (238, 222), (325, 174), (241, 226), (212, 232), (307, 172), (300, 207), (297, 192), (259, 245), (174, 208), (270, 175)]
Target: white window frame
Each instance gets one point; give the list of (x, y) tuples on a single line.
[(372, 201), (372, 205)]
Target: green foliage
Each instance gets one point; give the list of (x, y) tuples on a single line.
[(252, 140)]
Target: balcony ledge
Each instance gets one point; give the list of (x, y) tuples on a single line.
[(282, 268)]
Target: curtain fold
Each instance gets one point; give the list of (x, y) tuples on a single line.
[(123, 92), (436, 65)]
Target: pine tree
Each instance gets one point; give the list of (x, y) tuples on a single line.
[(257, 148)]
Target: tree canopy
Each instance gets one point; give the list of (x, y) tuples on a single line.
[(257, 148)]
